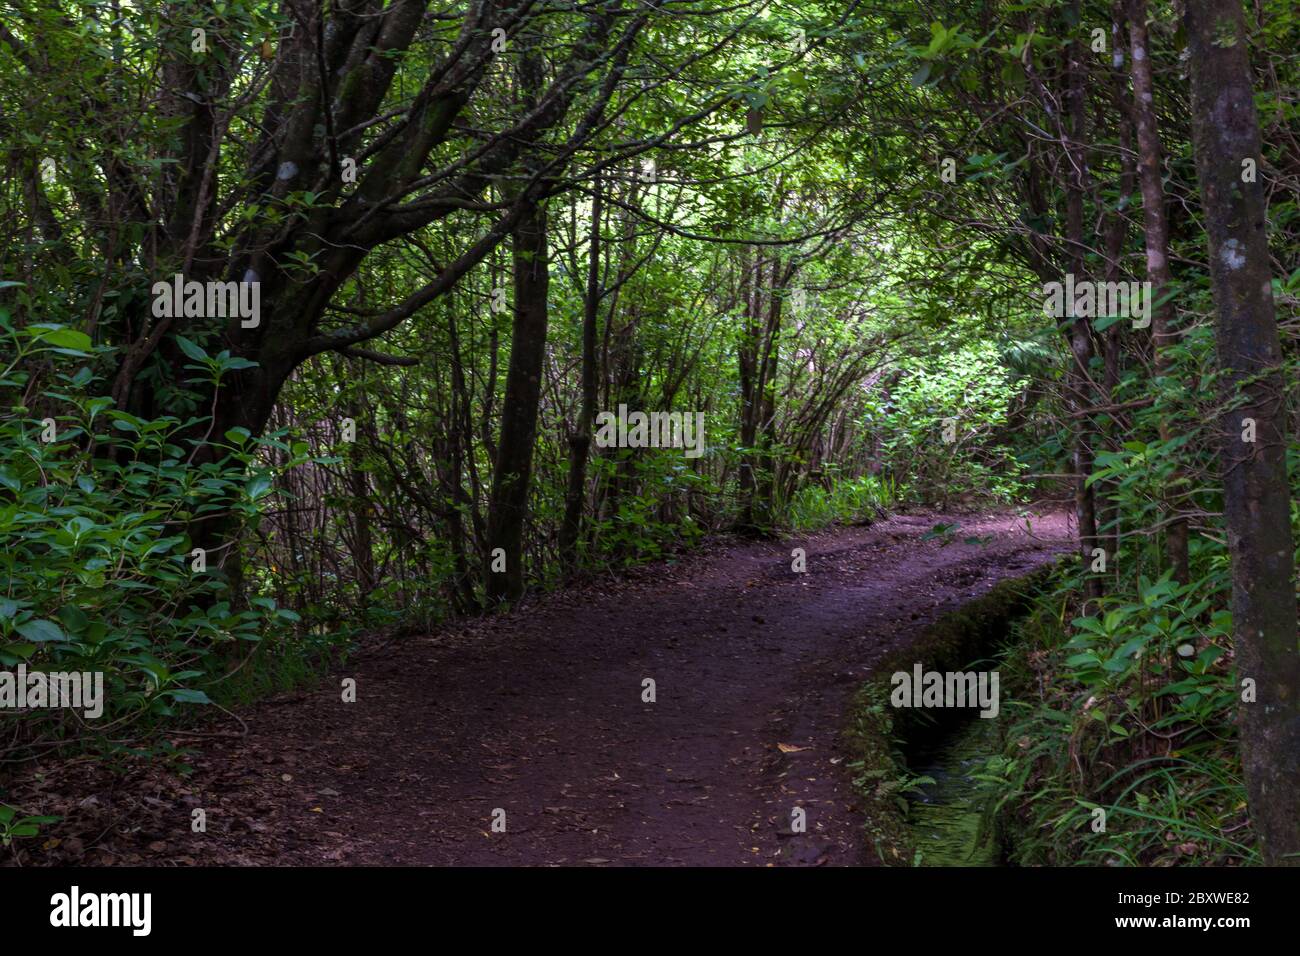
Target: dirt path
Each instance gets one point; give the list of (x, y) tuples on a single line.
[(540, 713)]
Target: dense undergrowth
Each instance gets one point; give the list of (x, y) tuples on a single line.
[(100, 574), (1117, 729), (1120, 729), (1119, 733)]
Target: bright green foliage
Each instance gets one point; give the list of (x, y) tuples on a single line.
[(944, 426), (96, 573), (847, 501)]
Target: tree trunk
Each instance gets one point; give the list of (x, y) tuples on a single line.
[(1155, 223), (1079, 332), (461, 435), (580, 439), (1256, 499), (1105, 491), (363, 549), (508, 508), (750, 387), (765, 492)]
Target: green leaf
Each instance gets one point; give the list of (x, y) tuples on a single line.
[(190, 349), (189, 696), (13, 654), (73, 618), (68, 339), (258, 486), (40, 631)]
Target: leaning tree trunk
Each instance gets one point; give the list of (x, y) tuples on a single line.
[(508, 508), (1256, 499)]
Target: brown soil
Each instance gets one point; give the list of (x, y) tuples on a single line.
[(539, 713)]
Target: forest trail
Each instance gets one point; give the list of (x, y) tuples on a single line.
[(539, 713)]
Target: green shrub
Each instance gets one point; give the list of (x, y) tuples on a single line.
[(966, 394), (96, 569), (847, 500), (1130, 711)]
